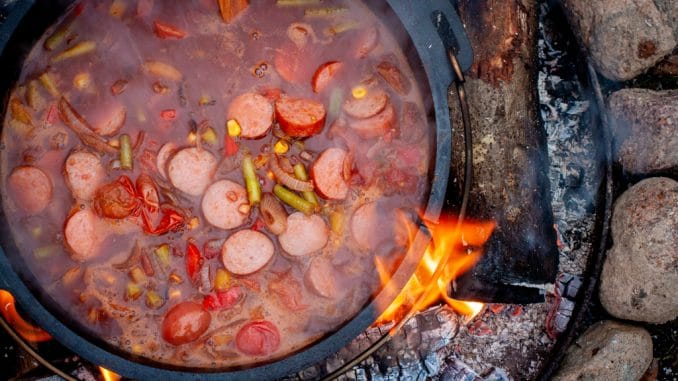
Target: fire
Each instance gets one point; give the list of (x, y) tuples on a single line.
[(25, 329), (108, 375), (462, 245)]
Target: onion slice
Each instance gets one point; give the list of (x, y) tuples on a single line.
[(289, 180), (273, 214)]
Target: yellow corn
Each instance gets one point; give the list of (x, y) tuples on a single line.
[(204, 100), (359, 92), (222, 280), (192, 137), (117, 9), (210, 136), (233, 128), (281, 147), (193, 223), (82, 81)]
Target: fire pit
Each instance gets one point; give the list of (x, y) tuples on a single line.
[(475, 320)]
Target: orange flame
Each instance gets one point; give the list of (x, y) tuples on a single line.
[(109, 375), (464, 246), (25, 329)]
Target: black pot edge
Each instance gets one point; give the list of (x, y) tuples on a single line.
[(415, 17)]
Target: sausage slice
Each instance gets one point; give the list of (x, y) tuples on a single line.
[(320, 278), (324, 75), (371, 226), (84, 173), (165, 152), (110, 121), (298, 117), (377, 125), (372, 104), (246, 251), (191, 169), (31, 188), (254, 114), (304, 234), (328, 174), (82, 236), (221, 204)]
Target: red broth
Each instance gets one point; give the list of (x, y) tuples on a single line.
[(166, 259)]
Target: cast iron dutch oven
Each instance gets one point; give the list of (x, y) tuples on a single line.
[(428, 28)]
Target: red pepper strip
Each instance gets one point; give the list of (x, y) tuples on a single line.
[(24, 329), (258, 225), (52, 115), (193, 261), (222, 300), (169, 114), (171, 221), (230, 146), (163, 30)]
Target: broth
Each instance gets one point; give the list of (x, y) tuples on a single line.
[(125, 147)]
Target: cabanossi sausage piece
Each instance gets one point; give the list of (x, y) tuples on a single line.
[(246, 251), (31, 188), (377, 125), (254, 114), (191, 170), (320, 278), (304, 234), (84, 174), (221, 204), (328, 174), (82, 235), (298, 117), (165, 152), (372, 104)]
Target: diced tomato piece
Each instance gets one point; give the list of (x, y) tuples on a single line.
[(193, 260), (163, 30), (211, 302), (222, 300), (258, 225), (230, 146), (169, 114)]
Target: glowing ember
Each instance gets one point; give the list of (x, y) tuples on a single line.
[(25, 329), (108, 375), (463, 245)]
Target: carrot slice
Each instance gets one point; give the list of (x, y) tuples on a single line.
[(163, 30)]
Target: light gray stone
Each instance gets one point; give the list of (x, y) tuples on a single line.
[(608, 351), (623, 37), (645, 130), (640, 274)]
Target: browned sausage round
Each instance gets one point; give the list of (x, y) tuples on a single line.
[(82, 235), (84, 173), (377, 125), (324, 75), (254, 114), (246, 251), (320, 278), (110, 121), (221, 204), (371, 226), (372, 104), (165, 152), (367, 42), (300, 118), (328, 174), (191, 169), (304, 234), (31, 188), (184, 323)]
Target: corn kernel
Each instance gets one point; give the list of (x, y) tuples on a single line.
[(233, 128), (114, 143), (82, 81), (193, 223), (281, 147), (270, 175), (204, 100), (117, 9), (191, 138), (210, 136), (174, 293), (359, 92)]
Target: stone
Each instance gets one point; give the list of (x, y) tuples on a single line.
[(608, 351), (644, 126), (669, 8), (623, 37), (640, 274)]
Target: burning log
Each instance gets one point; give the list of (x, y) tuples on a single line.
[(510, 184)]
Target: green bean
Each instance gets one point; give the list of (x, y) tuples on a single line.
[(126, 152), (296, 3), (324, 12), (336, 98), (251, 181), (292, 199), (300, 173)]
